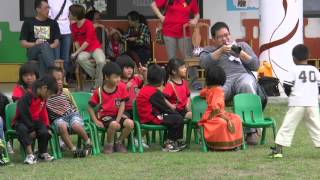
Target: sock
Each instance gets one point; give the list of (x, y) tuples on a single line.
[(88, 141), (73, 148)]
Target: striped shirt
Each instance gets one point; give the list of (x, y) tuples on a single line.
[(60, 105)]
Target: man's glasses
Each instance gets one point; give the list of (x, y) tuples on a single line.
[(220, 37)]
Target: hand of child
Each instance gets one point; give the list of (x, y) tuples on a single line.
[(99, 124), (74, 56), (142, 69)]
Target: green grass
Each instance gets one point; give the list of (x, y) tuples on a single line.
[(301, 161)]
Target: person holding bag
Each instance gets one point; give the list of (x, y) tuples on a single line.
[(177, 13)]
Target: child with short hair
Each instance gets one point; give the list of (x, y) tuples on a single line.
[(302, 87), (28, 73), (111, 98), (63, 112), (222, 130), (153, 109), (176, 90), (31, 120)]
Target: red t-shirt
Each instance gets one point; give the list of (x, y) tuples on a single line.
[(85, 33), (115, 48), (181, 91), (176, 16), (110, 102), (145, 109), (18, 91), (133, 90)]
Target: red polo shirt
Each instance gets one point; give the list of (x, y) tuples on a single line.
[(177, 94)]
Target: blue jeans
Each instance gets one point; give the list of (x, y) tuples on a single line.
[(1, 129), (63, 50), (42, 53)]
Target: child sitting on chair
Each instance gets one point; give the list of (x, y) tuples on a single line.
[(153, 109), (28, 73), (132, 82), (116, 45), (111, 98), (176, 90), (31, 120), (302, 87), (63, 112), (222, 130)]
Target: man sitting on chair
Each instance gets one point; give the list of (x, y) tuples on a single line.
[(235, 59)]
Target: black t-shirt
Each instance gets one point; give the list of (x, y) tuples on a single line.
[(33, 29)]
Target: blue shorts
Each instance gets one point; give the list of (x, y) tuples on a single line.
[(69, 120)]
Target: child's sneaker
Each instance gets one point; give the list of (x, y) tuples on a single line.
[(119, 147), (87, 149), (275, 153), (9, 148), (2, 145), (170, 147), (181, 144), (146, 146), (108, 149), (46, 157), (30, 159), (78, 153)]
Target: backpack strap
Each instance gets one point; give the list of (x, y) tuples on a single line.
[(174, 90), (61, 10)]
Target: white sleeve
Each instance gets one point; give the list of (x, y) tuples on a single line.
[(291, 77)]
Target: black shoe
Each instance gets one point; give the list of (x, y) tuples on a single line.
[(87, 149), (181, 145), (275, 153), (79, 153)]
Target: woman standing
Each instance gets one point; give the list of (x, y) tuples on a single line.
[(176, 14)]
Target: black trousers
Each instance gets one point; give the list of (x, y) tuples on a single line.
[(42, 135), (174, 123)]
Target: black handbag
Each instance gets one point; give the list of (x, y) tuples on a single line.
[(270, 85)]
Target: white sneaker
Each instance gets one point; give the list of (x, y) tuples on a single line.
[(30, 159), (46, 157), (146, 146), (9, 148)]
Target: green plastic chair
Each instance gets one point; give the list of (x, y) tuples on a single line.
[(249, 108), (198, 107), (149, 127), (10, 134)]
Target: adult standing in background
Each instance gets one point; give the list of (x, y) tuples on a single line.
[(59, 11), (40, 35), (176, 14)]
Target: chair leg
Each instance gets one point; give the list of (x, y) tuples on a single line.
[(148, 137), (196, 138), (263, 136), (131, 142), (189, 132), (244, 145), (204, 147), (53, 148), (161, 135), (153, 137), (138, 132), (274, 131), (96, 138)]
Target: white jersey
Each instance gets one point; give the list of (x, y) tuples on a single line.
[(63, 20), (305, 81)]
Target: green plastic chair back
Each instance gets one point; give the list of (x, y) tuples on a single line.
[(198, 106), (81, 99), (10, 114), (249, 108)]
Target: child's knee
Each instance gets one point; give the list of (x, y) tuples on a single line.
[(128, 123), (114, 125)]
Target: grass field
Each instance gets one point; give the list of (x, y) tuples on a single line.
[(301, 161)]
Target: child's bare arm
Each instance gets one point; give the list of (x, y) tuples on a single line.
[(120, 111), (188, 106), (93, 117)]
